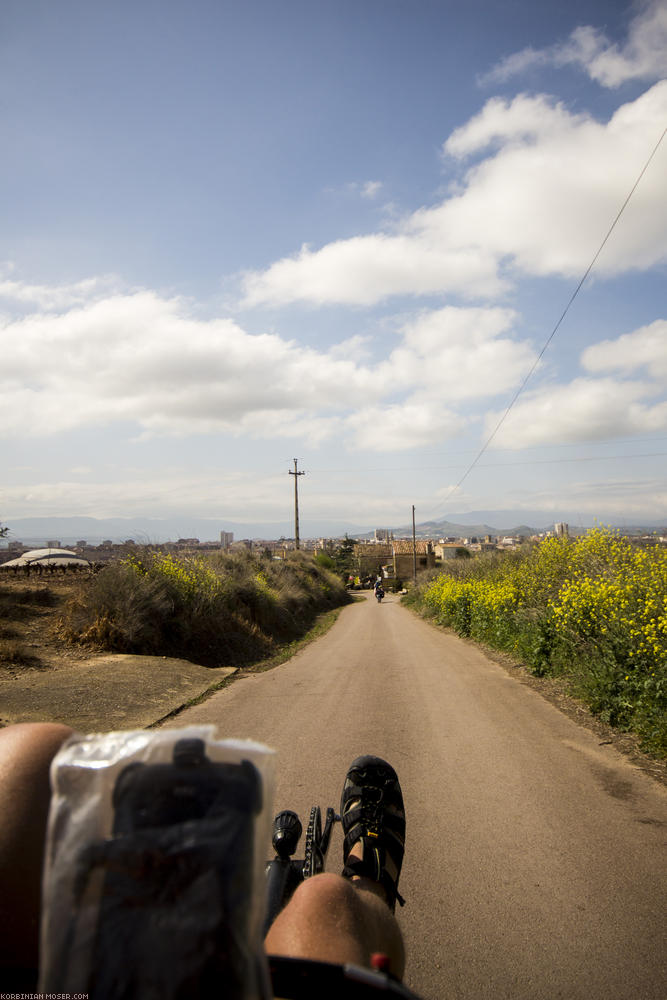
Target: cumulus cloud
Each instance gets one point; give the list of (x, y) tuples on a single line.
[(524, 119), (605, 403), (586, 409), (404, 426), (642, 57), (644, 348), (543, 191), (145, 360), (459, 353), (53, 297), (550, 193), (365, 270)]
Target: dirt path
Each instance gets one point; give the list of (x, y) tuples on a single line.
[(535, 862)]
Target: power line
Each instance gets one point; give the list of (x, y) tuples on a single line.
[(582, 458), (495, 465), (556, 327)]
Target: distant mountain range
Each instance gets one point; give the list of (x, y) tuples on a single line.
[(68, 530)]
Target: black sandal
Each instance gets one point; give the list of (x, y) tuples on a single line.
[(371, 810)]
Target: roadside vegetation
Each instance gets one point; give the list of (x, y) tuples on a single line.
[(592, 609), (223, 609)]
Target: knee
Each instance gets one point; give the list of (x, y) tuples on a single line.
[(29, 736), (321, 921), (27, 749), (326, 891), (26, 752)]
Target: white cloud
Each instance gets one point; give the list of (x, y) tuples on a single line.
[(459, 353), (643, 57), (646, 347), (365, 270), (523, 119), (142, 358), (590, 408), (540, 203), (550, 193), (145, 360), (370, 189), (55, 297), (514, 65), (586, 409), (404, 426)]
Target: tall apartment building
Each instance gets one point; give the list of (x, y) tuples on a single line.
[(226, 539)]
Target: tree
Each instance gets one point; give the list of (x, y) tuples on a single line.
[(343, 557)]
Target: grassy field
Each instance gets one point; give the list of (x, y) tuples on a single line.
[(221, 609), (592, 609)]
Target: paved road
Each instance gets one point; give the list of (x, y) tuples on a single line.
[(535, 863)]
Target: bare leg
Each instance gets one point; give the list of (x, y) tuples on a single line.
[(26, 752), (333, 919), (329, 918), (340, 919)]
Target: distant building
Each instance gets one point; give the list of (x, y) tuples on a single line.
[(562, 529), (448, 550), (53, 545), (226, 539), (383, 535), (403, 557)]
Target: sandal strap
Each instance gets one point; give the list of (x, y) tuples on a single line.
[(372, 812), (356, 868)]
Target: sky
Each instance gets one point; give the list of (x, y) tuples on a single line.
[(235, 234)]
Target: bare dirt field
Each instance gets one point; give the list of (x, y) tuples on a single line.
[(45, 678)]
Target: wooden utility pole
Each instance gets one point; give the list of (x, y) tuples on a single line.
[(414, 547), (296, 475)]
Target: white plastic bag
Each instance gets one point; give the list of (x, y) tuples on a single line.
[(154, 872)]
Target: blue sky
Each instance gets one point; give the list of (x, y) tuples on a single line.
[(236, 233)]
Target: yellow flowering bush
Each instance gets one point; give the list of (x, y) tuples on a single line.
[(593, 607)]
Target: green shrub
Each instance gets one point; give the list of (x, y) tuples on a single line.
[(592, 608), (121, 609), (228, 608)]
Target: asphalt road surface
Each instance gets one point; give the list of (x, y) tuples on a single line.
[(535, 862)]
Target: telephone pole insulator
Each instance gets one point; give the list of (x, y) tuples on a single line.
[(296, 475)]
